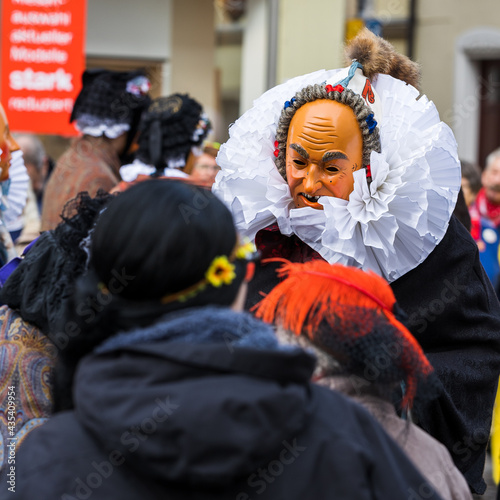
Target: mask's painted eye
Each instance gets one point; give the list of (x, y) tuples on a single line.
[(332, 169), (300, 163)]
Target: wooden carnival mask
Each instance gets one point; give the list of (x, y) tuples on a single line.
[(324, 149)]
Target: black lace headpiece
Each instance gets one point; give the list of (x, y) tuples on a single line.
[(169, 129), (44, 279), (111, 102)]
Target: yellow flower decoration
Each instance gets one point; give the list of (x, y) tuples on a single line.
[(221, 271), (245, 250)]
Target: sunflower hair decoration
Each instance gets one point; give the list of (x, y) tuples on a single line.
[(221, 271)]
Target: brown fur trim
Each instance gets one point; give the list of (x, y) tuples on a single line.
[(379, 56)]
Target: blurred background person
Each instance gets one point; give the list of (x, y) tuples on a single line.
[(205, 167), (107, 112), (471, 181), (26, 227), (37, 164), (485, 217)]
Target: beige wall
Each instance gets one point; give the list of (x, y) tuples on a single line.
[(131, 30), (310, 36), (228, 59), (255, 53), (192, 66), (434, 50), (392, 10), (439, 25), (452, 37), (177, 33), (175, 39)]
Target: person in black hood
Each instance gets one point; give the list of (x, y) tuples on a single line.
[(177, 394)]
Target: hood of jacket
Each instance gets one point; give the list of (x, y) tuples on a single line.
[(203, 396)]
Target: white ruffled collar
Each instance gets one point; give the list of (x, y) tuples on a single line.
[(16, 187), (389, 226)]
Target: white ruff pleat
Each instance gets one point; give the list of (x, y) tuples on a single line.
[(18, 192), (390, 226)]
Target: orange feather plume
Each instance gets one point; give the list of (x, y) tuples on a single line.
[(316, 292)]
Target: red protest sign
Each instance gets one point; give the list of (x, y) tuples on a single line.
[(43, 58)]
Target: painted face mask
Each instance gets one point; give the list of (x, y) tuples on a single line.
[(324, 148), (7, 146)]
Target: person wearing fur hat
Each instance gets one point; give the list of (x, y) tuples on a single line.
[(354, 166), (107, 112), (171, 134), (173, 392), (350, 319), (34, 290)]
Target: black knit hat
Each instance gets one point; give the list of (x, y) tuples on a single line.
[(169, 129)]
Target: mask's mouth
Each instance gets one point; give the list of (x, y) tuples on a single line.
[(312, 199)]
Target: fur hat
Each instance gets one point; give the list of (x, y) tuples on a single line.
[(378, 56)]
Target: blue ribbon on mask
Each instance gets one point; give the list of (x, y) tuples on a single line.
[(371, 123), (354, 66)]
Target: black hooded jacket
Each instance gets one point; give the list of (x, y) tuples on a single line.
[(158, 416)]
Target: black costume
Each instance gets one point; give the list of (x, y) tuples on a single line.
[(394, 219), (454, 314)]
